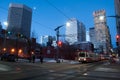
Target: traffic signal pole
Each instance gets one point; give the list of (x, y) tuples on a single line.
[(57, 34), (118, 32)]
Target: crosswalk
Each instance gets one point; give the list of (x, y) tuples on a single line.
[(4, 67)]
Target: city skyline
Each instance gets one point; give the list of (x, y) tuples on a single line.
[(44, 15)]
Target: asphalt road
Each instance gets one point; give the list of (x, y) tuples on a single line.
[(57, 71)]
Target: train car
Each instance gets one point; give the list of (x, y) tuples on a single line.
[(84, 56)]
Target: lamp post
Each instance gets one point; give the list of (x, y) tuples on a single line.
[(5, 33)]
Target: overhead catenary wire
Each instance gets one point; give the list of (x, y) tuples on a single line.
[(60, 11)]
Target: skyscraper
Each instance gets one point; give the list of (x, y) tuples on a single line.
[(19, 19), (75, 32), (92, 36), (102, 33), (46, 40), (117, 10)]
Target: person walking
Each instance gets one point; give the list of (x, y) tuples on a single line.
[(41, 55), (33, 57)]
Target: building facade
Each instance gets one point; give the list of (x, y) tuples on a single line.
[(102, 33), (75, 32), (85, 46), (19, 19), (117, 10), (0, 26)]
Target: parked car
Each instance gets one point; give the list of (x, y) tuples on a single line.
[(8, 57)]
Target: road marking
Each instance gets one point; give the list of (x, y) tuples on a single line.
[(106, 69), (85, 74), (51, 71), (3, 69)]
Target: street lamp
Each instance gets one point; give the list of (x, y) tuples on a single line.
[(5, 34)]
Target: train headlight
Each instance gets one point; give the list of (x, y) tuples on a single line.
[(84, 59)]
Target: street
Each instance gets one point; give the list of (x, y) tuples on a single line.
[(59, 71)]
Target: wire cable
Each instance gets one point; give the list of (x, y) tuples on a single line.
[(57, 9)]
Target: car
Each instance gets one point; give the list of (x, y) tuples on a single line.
[(8, 57)]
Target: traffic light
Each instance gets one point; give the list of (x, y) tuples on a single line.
[(8, 32), (117, 40), (59, 43), (21, 35), (3, 31), (18, 35)]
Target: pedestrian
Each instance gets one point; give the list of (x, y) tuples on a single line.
[(41, 58), (33, 57), (41, 55)]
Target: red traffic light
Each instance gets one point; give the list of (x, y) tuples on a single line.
[(117, 38), (59, 43)]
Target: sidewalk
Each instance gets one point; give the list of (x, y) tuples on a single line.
[(50, 60)]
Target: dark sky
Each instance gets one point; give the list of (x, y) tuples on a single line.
[(46, 17)]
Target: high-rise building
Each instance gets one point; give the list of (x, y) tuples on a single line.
[(46, 40), (87, 36), (117, 10), (102, 33), (75, 32), (19, 19), (92, 36)]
